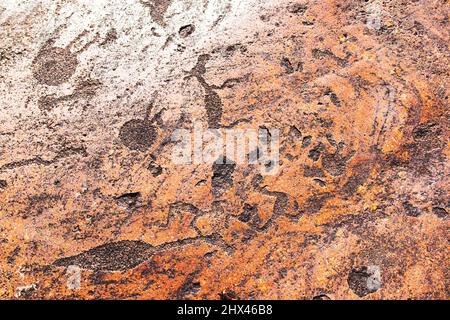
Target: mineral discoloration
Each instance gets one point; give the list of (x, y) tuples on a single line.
[(92, 206)]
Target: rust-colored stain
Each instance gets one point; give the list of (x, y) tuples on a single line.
[(93, 207)]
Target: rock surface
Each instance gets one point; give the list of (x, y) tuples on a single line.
[(91, 205)]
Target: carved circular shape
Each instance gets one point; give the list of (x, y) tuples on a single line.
[(137, 134), (54, 66)]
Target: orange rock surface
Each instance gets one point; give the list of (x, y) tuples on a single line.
[(93, 207)]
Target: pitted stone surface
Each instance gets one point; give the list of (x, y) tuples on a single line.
[(92, 206)]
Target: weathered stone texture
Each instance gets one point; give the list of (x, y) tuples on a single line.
[(91, 92)]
